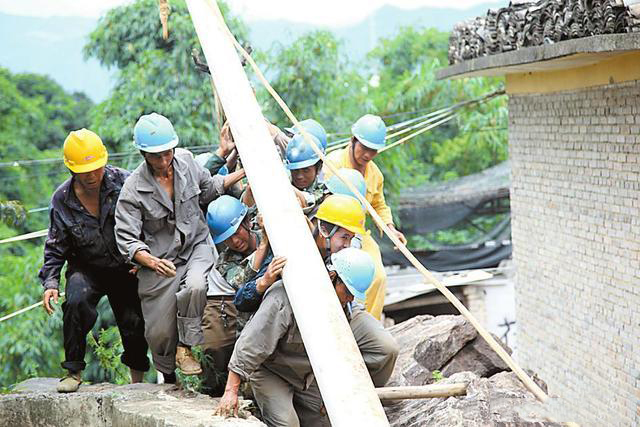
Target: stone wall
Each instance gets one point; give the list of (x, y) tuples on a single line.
[(576, 213)]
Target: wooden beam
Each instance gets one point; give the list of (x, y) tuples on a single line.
[(422, 392)]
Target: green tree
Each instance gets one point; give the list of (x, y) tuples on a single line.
[(405, 66), (316, 80), (153, 74)]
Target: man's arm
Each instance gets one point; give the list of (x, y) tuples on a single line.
[(128, 228), (56, 250), (261, 335)]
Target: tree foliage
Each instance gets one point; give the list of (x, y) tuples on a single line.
[(154, 75), (316, 80)]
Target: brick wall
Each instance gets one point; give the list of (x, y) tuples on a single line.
[(576, 231)]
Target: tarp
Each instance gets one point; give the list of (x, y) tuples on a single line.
[(433, 207)]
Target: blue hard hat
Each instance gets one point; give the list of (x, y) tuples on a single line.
[(300, 154), (314, 128), (371, 131), (224, 216), (336, 186), (356, 269), (154, 133)]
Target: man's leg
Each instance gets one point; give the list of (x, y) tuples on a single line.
[(158, 302), (125, 303), (192, 295), (378, 348), (219, 329), (274, 397), (79, 314), (310, 408)]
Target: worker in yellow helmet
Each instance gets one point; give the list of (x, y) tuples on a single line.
[(338, 220), (369, 134), (81, 233)]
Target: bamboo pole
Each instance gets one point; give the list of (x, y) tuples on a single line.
[(341, 374), (422, 392), (430, 278)]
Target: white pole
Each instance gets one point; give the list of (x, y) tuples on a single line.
[(347, 390)]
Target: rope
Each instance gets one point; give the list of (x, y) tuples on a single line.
[(28, 236), (528, 382), (31, 162), (23, 310)]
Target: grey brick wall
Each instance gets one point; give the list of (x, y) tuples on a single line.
[(575, 202)]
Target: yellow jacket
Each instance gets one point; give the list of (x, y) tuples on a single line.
[(372, 176)]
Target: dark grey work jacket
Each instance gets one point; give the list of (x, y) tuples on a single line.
[(77, 236), (272, 340), (146, 219)]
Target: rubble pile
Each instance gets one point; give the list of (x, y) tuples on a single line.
[(450, 346)]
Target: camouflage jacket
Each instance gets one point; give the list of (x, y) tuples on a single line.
[(314, 195), (235, 267)]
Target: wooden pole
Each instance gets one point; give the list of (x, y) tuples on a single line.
[(422, 392), (343, 379), (430, 278)]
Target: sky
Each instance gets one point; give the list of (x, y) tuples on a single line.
[(332, 13)]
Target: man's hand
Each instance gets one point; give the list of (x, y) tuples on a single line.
[(399, 235), (228, 405), (274, 271), (163, 267), (301, 200), (48, 294), (227, 145)]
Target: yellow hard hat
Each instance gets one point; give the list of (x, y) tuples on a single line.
[(84, 151), (343, 211)]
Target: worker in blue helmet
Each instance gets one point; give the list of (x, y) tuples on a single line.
[(161, 228), (368, 138), (270, 356), (305, 165), (241, 252), (312, 127)]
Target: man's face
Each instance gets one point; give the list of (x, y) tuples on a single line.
[(343, 292), (341, 239), (90, 181), (361, 154), (303, 178), (240, 241), (159, 162)]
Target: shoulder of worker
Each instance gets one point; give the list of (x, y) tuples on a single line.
[(336, 155), (374, 171), (184, 158), (116, 176), (60, 195)]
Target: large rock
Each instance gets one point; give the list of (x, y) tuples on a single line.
[(500, 400), (426, 344), (476, 357), (36, 403)]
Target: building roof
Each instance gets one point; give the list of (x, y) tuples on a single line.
[(543, 35)]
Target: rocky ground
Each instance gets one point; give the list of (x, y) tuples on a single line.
[(448, 344)]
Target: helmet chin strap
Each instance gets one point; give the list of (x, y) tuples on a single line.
[(327, 237)]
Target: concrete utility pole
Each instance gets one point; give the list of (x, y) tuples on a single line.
[(347, 389)]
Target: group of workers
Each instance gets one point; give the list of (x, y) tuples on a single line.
[(180, 250)]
